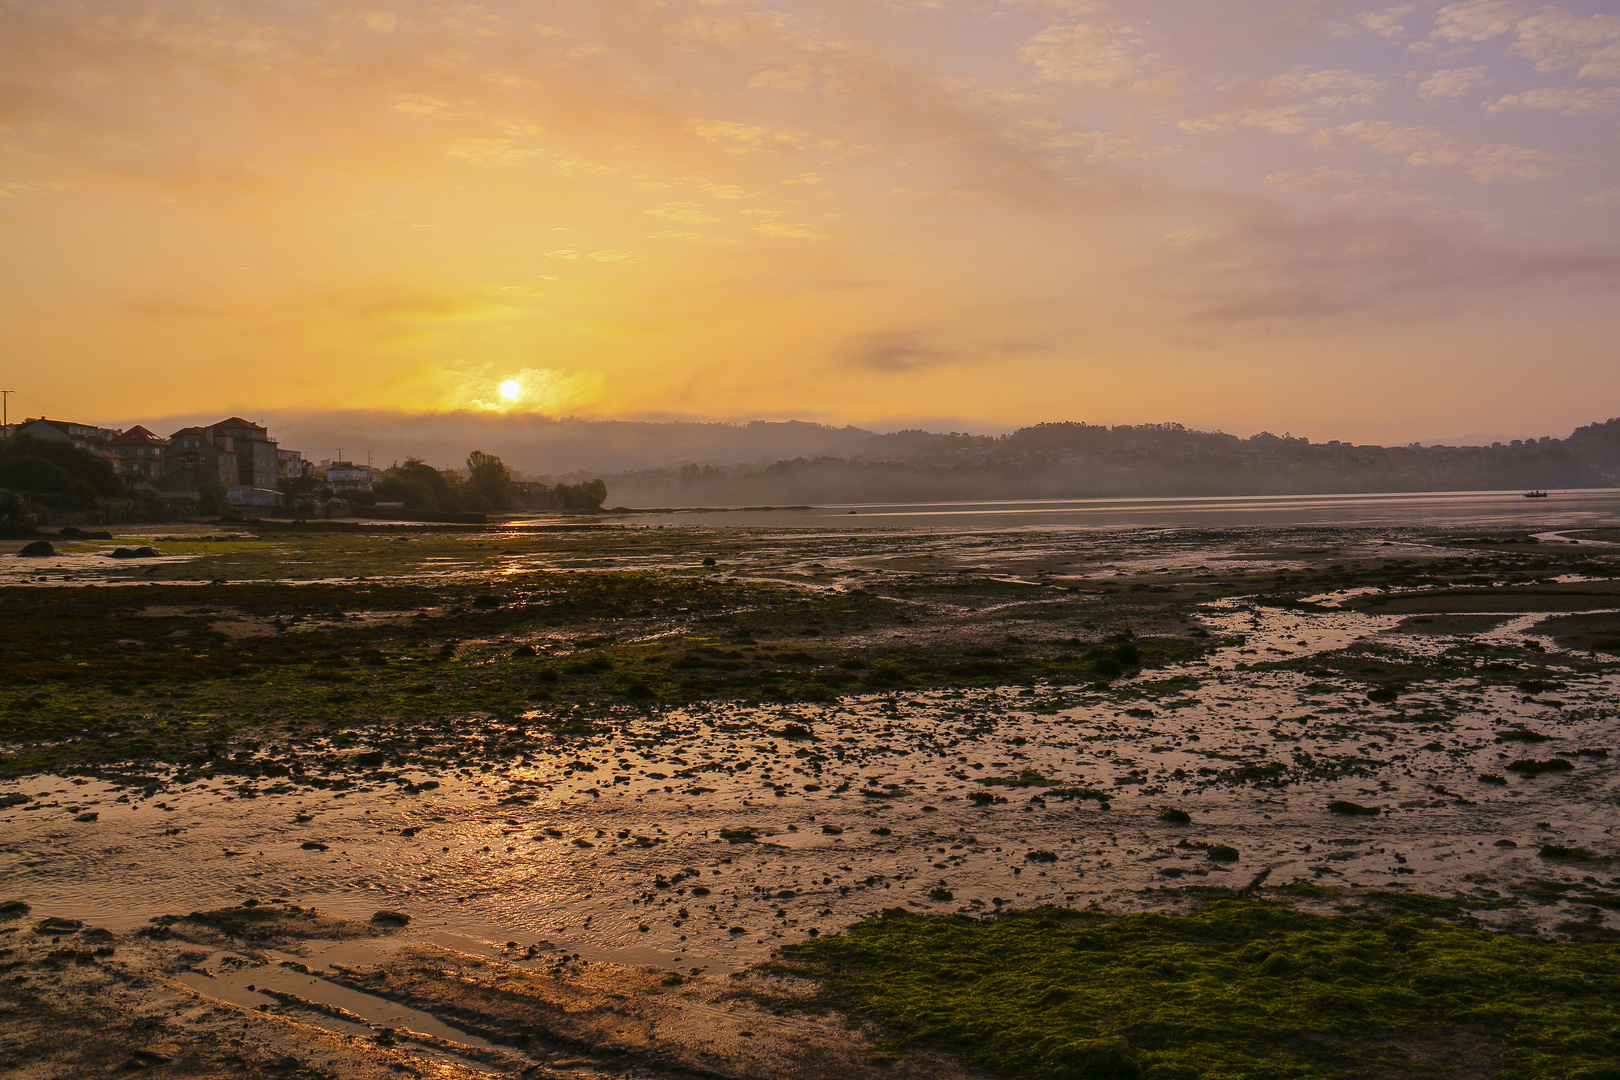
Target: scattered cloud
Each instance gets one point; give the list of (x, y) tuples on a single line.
[(691, 237), (747, 138), (1554, 38), (1425, 145), (1569, 100), (1386, 23), (501, 152), (686, 213), (1478, 20), (1189, 234), (1086, 54), (1453, 82), (789, 230)]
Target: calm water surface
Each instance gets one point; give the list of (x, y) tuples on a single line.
[(1584, 508)]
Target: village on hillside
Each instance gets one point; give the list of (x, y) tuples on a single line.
[(234, 455), (60, 471)]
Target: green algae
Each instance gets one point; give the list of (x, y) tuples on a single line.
[(1239, 989)]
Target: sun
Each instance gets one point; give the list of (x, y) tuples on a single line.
[(510, 389)]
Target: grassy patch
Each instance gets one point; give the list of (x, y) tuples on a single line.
[(1238, 989)]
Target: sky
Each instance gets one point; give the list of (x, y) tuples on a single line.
[(1380, 224)]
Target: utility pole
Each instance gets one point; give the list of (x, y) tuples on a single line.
[(5, 411), (340, 456)]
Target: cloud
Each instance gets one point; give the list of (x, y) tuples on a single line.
[(612, 255), (501, 152), (1453, 82), (685, 213), (893, 351), (739, 138), (1303, 93), (1386, 23), (1349, 186), (788, 230), (1478, 20), (1606, 197), (1189, 234), (691, 237), (1557, 40), (1086, 54), (896, 351), (1424, 145), (16, 189), (1279, 268), (1554, 38), (1569, 100)]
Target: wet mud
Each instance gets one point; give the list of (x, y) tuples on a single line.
[(530, 793)]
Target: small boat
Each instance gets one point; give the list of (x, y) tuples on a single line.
[(1535, 494)]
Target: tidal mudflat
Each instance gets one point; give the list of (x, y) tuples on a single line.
[(608, 799)]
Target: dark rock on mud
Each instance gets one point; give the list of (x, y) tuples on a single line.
[(37, 549), (133, 553)]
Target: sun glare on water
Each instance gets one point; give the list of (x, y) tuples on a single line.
[(510, 389)]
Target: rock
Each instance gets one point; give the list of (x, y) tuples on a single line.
[(390, 918), (133, 553), (13, 909), (525, 650), (708, 560), (313, 845), (54, 925), (38, 548), (89, 815), (12, 798), (72, 532)]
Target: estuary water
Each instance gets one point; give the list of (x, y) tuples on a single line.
[(1579, 508)]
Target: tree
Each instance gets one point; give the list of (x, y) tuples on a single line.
[(30, 460), (588, 495), (419, 486), (488, 480)]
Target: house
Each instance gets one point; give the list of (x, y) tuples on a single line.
[(342, 476), (235, 454), (87, 436), (291, 465), (139, 455), (196, 461), (257, 461)]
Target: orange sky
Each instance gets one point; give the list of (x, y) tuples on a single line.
[(1385, 224)]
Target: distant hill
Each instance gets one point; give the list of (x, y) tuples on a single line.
[(683, 463), (1070, 460)]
